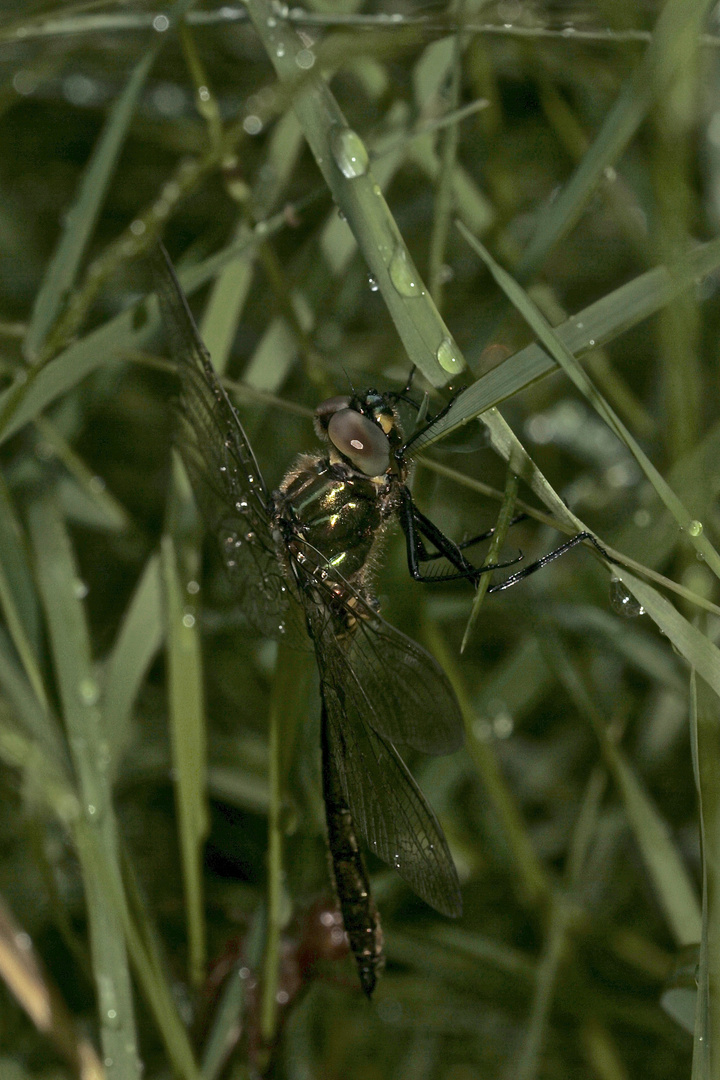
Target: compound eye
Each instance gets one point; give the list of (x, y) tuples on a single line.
[(332, 405), (360, 440)]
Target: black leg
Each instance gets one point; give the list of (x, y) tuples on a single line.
[(464, 544), (416, 526), (402, 450), (550, 557)]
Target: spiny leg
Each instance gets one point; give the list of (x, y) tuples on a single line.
[(550, 557)]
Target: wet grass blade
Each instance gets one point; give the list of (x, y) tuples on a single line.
[(80, 694), (597, 324), (577, 375), (344, 162), (187, 736)]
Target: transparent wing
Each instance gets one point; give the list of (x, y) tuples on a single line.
[(224, 474), (400, 690), (387, 806)]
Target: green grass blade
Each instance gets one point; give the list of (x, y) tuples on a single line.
[(597, 324), (80, 220), (697, 649), (187, 735), (138, 640), (79, 693), (33, 391), (554, 344), (344, 163)]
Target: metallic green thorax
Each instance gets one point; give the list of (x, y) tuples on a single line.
[(332, 517)]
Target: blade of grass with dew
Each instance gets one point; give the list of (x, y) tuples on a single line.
[(34, 390), (507, 508), (80, 220), (188, 742), (79, 694), (137, 641), (693, 645), (597, 324), (672, 882), (147, 964), (678, 18), (343, 160), (575, 372), (705, 728)]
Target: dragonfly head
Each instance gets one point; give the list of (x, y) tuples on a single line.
[(364, 429)]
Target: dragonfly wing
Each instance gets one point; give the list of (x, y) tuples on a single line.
[(221, 465), (387, 806), (400, 690)]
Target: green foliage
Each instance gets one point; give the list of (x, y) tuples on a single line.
[(525, 206)]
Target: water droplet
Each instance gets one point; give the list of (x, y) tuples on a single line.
[(694, 528), (272, 23), (91, 810), (403, 274), (281, 628), (282, 997), (23, 942), (396, 861), (193, 587), (372, 283), (203, 93), (280, 51), (88, 691), (623, 602), (446, 356), (80, 589), (188, 620), (252, 124), (305, 58), (104, 756), (161, 23), (349, 152), (137, 227)]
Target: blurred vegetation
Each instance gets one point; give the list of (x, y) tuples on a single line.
[(580, 145)]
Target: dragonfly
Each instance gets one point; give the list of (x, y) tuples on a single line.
[(303, 557)]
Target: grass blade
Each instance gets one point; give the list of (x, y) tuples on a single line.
[(80, 220), (79, 693)]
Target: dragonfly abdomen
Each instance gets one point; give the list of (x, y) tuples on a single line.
[(360, 916)]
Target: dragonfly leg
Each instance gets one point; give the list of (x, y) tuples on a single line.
[(416, 527), (579, 538)]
